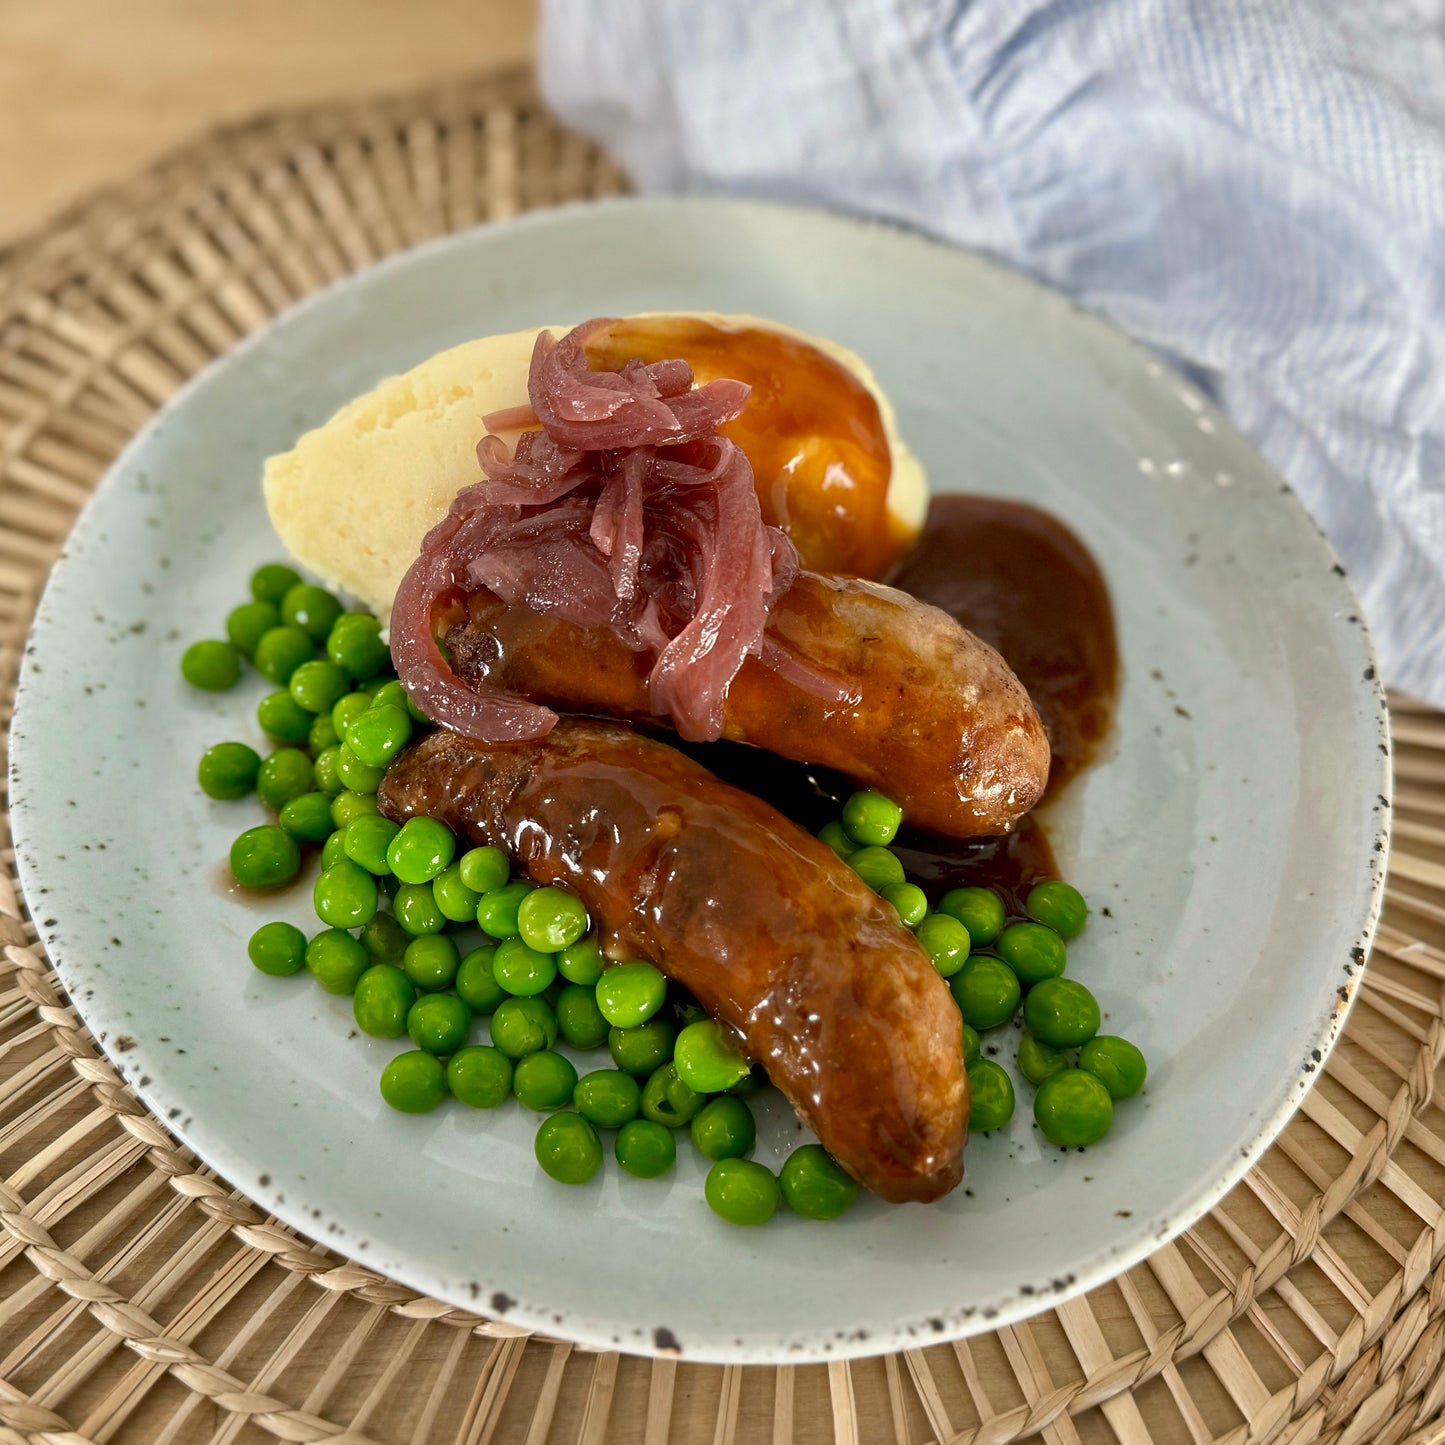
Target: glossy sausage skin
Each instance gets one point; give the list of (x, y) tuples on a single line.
[(775, 936), (938, 722)]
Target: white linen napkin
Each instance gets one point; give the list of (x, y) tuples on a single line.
[(1255, 188)]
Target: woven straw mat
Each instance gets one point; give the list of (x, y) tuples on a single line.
[(142, 1299)]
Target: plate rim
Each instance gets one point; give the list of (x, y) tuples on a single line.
[(1024, 1299)]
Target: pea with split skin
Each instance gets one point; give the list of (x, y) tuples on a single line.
[(607, 1097), (568, 1149), (480, 1076), (667, 1100), (551, 919), (1037, 1061), (707, 1059), (439, 1023), (521, 1026), (1116, 1063)]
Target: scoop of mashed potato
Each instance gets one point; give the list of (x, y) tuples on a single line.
[(353, 499)]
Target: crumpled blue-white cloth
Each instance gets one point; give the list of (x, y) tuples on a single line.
[(1256, 188)]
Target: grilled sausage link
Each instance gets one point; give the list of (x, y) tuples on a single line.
[(775, 935), (937, 721)]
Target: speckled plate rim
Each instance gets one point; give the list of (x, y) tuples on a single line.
[(1029, 1296)]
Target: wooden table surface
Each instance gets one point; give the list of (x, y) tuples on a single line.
[(91, 90)]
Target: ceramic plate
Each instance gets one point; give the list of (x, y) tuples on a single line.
[(1232, 845)]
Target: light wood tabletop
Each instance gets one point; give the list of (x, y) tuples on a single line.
[(91, 90)]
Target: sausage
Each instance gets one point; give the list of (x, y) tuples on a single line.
[(777, 937), (937, 721)]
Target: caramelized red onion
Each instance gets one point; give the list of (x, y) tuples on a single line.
[(625, 507)]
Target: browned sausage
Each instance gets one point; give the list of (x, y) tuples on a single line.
[(940, 724), (775, 935)]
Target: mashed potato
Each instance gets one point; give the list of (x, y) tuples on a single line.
[(353, 499)]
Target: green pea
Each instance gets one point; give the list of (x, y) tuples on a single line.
[(742, 1191), (582, 962), (835, 835), (1116, 1063), (579, 1018), (476, 984), (686, 1009), (246, 623), (379, 734), (457, 902), (346, 710), (980, 910), (568, 1149), (228, 770), (667, 1100), (550, 919), (706, 1057), (813, 1184), (283, 718), (416, 909), (871, 819), (1037, 1061), (385, 939), (909, 902), (383, 999), (439, 1023), (336, 960), (272, 582), (480, 1076), (484, 870), (991, 1095), (355, 644), (986, 991), (307, 816), (724, 1128), (1073, 1109), (544, 1080), (283, 775), (264, 857), (1032, 951), (318, 686), (946, 941), (358, 776), (522, 970), (347, 805), (414, 1082), (312, 609), (521, 1026), (1060, 1012), (212, 666), (877, 867), (320, 736), (972, 1045), (417, 715), (278, 949), (323, 771), (431, 961), (497, 911), (386, 691), (331, 850), (280, 651), (345, 895), (755, 1079), (645, 1149), (642, 1050), (422, 849), (630, 993), (607, 1097), (365, 840), (1057, 905)]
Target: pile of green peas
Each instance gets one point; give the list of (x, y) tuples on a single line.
[(429, 938), (998, 967)]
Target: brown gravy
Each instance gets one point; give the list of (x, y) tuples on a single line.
[(1025, 583)]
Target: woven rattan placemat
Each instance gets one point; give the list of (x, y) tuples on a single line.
[(142, 1299)]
